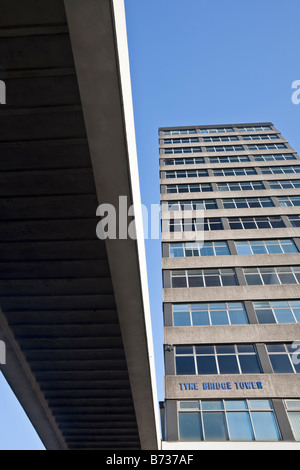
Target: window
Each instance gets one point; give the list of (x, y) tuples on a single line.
[(183, 161), (277, 311), (189, 188), (286, 201), (248, 202), (260, 137), (231, 159), (235, 172), (186, 173), (243, 186), (224, 420), (255, 128), (225, 148), (263, 247), (281, 357), (293, 412), (244, 223), (220, 359), (284, 184), (204, 278), (179, 250), (274, 170), (271, 276), (294, 220), (220, 139), (180, 132), (204, 314), (216, 130), (182, 150), (192, 205), (267, 146), (192, 225), (181, 141), (274, 157)]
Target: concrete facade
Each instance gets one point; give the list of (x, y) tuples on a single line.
[(274, 387)]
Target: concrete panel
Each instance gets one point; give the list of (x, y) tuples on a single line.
[(260, 386), (233, 179), (229, 194), (259, 234), (204, 262), (238, 293), (231, 334)]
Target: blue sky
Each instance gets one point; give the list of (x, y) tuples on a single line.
[(195, 62)]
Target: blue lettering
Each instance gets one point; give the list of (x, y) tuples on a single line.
[(259, 385), (229, 385), (205, 386)]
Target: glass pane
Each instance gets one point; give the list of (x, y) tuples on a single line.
[(240, 428), (212, 405), (259, 404), (200, 318), (185, 365), (284, 315), (228, 365), (229, 280), (294, 417), (281, 363), (265, 426), (195, 281), (206, 365), (219, 317), (215, 426), (190, 428), (253, 279), (287, 278), (189, 405), (184, 350), (236, 405), (212, 281), (238, 317), (249, 364), (179, 281), (265, 316), (204, 350), (181, 319)]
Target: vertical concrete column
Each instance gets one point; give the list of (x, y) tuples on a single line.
[(251, 312), (172, 433), (264, 359), (283, 420), (225, 223), (240, 276), (168, 317), (232, 247)]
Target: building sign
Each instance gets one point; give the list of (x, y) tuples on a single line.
[(221, 386)]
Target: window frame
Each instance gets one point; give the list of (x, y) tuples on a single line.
[(209, 308), (236, 354), (248, 407), (204, 274), (273, 308)]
